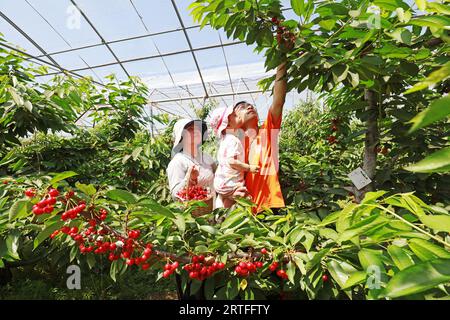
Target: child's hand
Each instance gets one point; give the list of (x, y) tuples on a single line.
[(253, 168)]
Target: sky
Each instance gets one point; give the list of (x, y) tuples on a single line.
[(56, 25)]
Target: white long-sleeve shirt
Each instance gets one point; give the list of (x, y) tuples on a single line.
[(179, 166)]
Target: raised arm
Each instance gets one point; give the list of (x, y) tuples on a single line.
[(279, 92)]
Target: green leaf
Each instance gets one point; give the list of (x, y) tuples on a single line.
[(317, 258), (391, 5), (116, 267), (180, 223), (209, 288), (73, 253), (421, 4), (232, 288), (20, 209), (90, 258), (374, 195), (156, 207), (327, 24), (418, 278), (336, 215), (332, 9), (136, 152), (298, 6), (369, 258), (434, 78), (12, 244), (27, 105), (340, 271), (209, 229), (438, 110), (426, 250), (438, 8), (290, 271), (62, 176), (86, 189), (437, 222), (121, 196), (354, 279), (402, 35), (48, 230), (401, 259), (436, 162), (433, 21), (365, 225)]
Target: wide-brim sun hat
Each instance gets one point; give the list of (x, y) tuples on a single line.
[(181, 124)]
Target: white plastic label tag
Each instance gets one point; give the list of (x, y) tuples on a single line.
[(359, 178)]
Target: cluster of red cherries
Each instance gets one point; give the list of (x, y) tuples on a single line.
[(283, 32), (46, 205), (196, 192), (280, 272), (170, 268), (334, 128), (201, 268), (244, 269), (90, 239)]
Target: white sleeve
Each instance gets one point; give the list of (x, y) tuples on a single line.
[(176, 174)]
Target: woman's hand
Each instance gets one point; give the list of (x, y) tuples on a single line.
[(194, 173)]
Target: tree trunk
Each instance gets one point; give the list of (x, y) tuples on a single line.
[(370, 143)]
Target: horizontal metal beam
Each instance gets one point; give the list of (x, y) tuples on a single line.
[(130, 38), (120, 40), (50, 64), (209, 96), (150, 57)]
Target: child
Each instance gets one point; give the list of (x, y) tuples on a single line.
[(231, 157)]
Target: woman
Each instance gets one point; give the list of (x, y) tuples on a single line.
[(188, 161)]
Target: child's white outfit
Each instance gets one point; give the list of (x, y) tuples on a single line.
[(226, 178)]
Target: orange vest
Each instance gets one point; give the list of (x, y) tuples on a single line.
[(264, 186)]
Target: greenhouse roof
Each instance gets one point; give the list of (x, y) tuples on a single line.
[(156, 40)]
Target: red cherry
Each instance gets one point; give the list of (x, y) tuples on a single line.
[(30, 193), (48, 209), (145, 266), (53, 192), (264, 251), (129, 262), (166, 274), (281, 273), (168, 266), (273, 266), (325, 278), (38, 211)]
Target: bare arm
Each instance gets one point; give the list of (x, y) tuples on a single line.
[(279, 92), (242, 166)]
